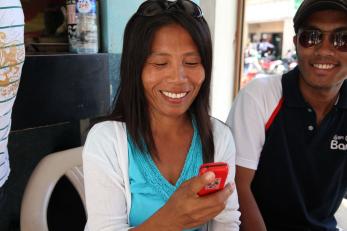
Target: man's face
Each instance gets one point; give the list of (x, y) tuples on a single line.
[(322, 66)]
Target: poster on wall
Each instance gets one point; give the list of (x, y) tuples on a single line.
[(45, 26)]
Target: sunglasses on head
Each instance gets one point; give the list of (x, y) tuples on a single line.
[(156, 7), (312, 37)]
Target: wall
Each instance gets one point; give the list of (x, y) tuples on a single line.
[(221, 16), (270, 27), (114, 16), (268, 10)]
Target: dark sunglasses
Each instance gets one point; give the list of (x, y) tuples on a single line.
[(312, 37), (156, 7)]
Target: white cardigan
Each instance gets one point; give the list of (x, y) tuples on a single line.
[(107, 189)]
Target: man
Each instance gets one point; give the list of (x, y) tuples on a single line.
[(12, 53), (265, 47), (291, 131)]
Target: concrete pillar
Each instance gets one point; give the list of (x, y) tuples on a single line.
[(221, 16)]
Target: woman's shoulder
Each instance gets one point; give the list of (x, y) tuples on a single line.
[(105, 136), (106, 147), (223, 140), (221, 132), (106, 128), (219, 126)]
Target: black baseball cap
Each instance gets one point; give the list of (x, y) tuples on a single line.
[(310, 6)]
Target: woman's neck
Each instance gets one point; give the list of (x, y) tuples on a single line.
[(164, 125)]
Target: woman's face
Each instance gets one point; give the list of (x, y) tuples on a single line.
[(173, 73)]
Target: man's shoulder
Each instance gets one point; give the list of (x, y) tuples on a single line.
[(260, 97), (264, 80), (265, 87)]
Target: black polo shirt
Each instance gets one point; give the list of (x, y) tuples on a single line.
[(301, 176)]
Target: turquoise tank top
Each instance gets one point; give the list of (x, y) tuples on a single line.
[(149, 189)]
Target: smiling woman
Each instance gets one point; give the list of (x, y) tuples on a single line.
[(141, 167)]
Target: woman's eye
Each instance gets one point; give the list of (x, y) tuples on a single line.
[(160, 64), (192, 63)]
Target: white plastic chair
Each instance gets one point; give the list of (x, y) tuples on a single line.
[(42, 182)]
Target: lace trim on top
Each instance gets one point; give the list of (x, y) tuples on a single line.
[(152, 174)]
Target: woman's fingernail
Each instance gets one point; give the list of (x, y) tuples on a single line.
[(209, 176)]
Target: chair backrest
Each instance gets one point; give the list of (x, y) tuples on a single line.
[(42, 182)]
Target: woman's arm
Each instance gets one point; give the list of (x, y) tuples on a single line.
[(229, 218), (105, 196), (103, 181)]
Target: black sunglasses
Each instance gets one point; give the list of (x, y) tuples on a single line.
[(312, 37), (156, 7)]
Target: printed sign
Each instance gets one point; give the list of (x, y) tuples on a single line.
[(86, 6)]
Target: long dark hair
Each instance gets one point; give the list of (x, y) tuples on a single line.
[(131, 106)]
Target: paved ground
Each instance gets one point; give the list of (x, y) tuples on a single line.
[(341, 215)]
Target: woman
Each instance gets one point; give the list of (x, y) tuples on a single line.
[(141, 167)]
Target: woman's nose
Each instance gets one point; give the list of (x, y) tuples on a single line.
[(177, 72)]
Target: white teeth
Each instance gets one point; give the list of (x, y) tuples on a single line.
[(174, 95), (324, 66)]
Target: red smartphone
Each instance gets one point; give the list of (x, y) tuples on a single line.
[(220, 170)]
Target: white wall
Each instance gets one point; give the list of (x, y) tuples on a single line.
[(267, 11), (221, 16)]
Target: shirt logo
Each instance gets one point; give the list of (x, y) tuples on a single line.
[(338, 143)]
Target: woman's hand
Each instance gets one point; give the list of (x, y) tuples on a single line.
[(185, 209)]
